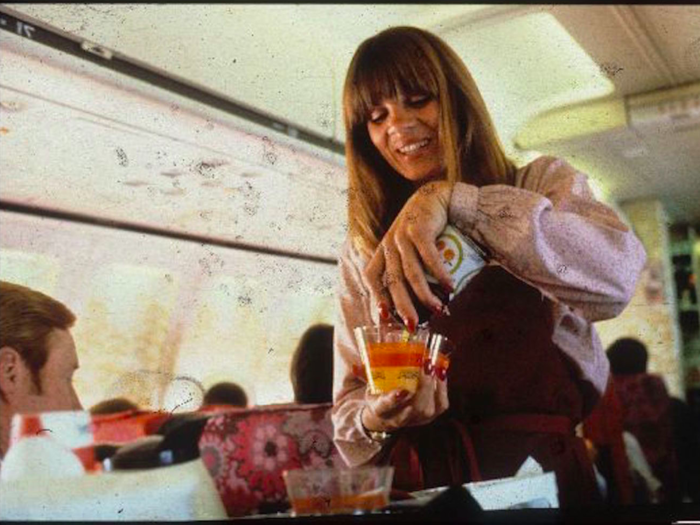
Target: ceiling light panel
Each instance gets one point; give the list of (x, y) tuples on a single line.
[(527, 65)]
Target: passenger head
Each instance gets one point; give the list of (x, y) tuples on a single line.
[(627, 356), (226, 393), (312, 366), (407, 63), (37, 355), (113, 406)]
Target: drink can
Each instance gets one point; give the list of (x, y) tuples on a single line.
[(462, 258)]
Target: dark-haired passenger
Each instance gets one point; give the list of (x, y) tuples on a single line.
[(311, 370), (113, 406), (662, 424), (226, 393)]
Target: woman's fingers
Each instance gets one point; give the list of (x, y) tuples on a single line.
[(408, 248), (442, 402), (384, 409), (415, 274), (422, 220), (430, 256), (396, 284), (432, 393), (398, 267), (374, 278), (398, 409), (386, 282)]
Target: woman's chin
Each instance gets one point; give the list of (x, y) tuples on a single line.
[(420, 180)]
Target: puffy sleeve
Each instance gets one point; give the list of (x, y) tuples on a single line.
[(349, 385), (549, 231)]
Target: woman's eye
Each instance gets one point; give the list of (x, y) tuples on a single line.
[(376, 117), (418, 100)]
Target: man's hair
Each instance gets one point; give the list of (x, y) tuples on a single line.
[(627, 356), (113, 406), (410, 60), (312, 366), (226, 393), (26, 319)]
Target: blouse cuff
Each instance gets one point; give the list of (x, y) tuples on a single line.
[(463, 205)]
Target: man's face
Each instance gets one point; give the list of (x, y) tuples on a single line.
[(55, 378)]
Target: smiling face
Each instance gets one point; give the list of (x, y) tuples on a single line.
[(405, 131)]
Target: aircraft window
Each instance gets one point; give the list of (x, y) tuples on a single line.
[(28, 268), (152, 309)]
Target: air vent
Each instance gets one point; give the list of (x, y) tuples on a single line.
[(665, 111)]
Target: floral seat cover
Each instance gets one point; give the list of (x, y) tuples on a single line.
[(246, 452)]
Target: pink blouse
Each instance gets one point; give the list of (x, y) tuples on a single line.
[(549, 231)]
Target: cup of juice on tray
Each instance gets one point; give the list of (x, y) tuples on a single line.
[(338, 490)]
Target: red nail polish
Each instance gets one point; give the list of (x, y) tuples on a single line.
[(359, 371), (401, 394), (383, 311), (441, 373), (428, 368), (411, 325)]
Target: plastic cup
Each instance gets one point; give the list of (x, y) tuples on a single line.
[(338, 491), (392, 356), (437, 355)]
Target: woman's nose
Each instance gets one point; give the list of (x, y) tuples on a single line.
[(400, 119)]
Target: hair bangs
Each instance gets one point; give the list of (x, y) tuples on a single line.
[(384, 71)]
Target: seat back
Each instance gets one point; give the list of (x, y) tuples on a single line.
[(124, 427), (246, 452)]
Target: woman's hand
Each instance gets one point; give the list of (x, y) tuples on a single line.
[(406, 251), (400, 408)]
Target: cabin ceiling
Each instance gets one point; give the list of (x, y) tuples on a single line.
[(290, 61)]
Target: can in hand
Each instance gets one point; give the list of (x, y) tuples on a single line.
[(462, 258)]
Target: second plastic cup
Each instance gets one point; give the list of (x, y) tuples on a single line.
[(437, 355)]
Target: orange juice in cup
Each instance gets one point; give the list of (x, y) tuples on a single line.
[(339, 490), (437, 354), (392, 356)]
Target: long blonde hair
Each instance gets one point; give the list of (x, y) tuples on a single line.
[(410, 60)]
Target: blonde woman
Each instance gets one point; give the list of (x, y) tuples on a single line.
[(422, 152)]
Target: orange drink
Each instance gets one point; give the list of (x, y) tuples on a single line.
[(437, 354), (395, 365), (392, 356), (339, 504), (338, 490)]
